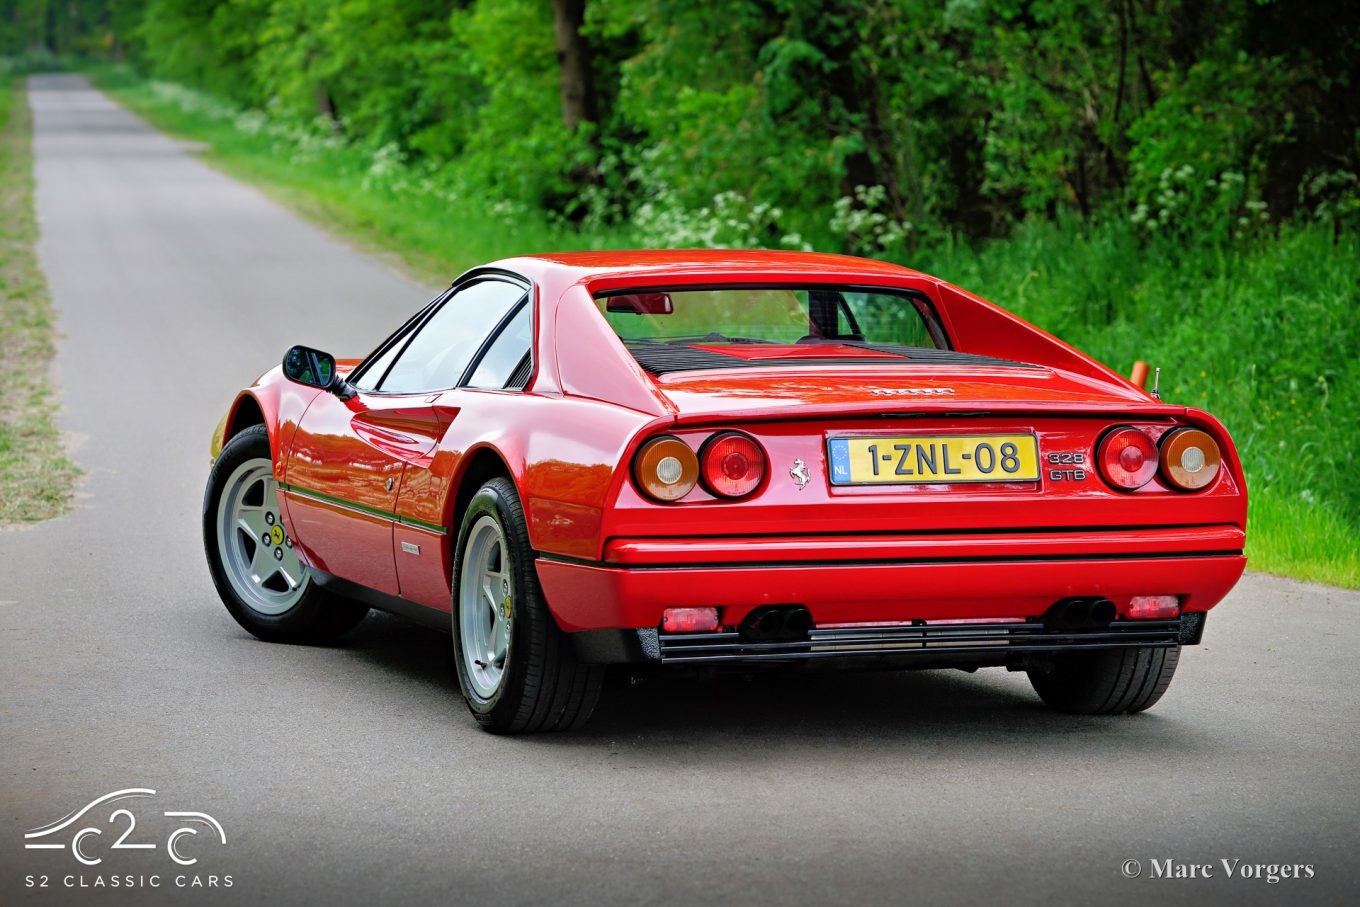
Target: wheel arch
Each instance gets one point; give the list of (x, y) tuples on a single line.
[(244, 412), (479, 465)]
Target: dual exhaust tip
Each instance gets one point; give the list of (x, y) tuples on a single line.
[(776, 623), (1080, 614)]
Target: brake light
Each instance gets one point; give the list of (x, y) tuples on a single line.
[(732, 465), (1127, 458), (666, 469), (689, 620), (1154, 607), (1190, 459)]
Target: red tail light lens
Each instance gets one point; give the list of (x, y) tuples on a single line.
[(1127, 458), (732, 465), (1154, 607), (689, 620), (1190, 459)]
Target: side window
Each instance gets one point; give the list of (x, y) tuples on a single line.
[(436, 357), (506, 352), (371, 370)]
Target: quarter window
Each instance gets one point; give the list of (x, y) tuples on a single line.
[(506, 352)]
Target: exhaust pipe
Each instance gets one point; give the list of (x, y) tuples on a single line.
[(777, 623), (1077, 613), (1102, 612), (798, 622), (1087, 613)]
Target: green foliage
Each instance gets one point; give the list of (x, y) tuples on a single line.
[(1171, 180), (1261, 334)]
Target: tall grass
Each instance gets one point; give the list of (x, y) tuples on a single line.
[(36, 477), (1263, 333)]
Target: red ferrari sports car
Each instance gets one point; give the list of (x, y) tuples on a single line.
[(726, 460)]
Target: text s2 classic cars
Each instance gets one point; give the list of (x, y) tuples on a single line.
[(728, 460)]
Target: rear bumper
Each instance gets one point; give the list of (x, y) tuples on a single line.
[(879, 579)]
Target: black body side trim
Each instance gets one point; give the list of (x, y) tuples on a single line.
[(416, 613), (616, 646), (1192, 627)]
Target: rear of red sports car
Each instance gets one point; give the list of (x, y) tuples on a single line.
[(877, 469)]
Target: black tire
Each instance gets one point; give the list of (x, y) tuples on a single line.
[(543, 686), (1110, 682), (317, 616)]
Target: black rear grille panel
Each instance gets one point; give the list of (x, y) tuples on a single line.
[(927, 642), (664, 358)]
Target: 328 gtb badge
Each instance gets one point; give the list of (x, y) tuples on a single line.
[(1073, 460)]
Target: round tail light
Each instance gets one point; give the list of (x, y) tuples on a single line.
[(1127, 458), (1190, 459), (732, 465), (666, 469)]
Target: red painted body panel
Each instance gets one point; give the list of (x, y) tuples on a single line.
[(588, 597), (882, 553)]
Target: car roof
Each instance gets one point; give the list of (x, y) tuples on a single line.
[(757, 264)]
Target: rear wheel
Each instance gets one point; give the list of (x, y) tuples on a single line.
[(1109, 682), (518, 671), (254, 566)]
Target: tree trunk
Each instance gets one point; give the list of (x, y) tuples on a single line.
[(573, 63), (325, 104)]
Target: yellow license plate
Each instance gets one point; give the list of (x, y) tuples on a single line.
[(921, 459)]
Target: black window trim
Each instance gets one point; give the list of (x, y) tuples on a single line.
[(414, 325), (490, 341), (934, 324), (401, 335)]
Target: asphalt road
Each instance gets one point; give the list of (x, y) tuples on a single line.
[(353, 775)]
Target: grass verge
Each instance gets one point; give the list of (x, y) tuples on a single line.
[(1261, 334), (36, 477)]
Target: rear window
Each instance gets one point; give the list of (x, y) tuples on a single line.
[(774, 316)]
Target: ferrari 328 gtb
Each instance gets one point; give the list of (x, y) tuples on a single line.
[(726, 460)]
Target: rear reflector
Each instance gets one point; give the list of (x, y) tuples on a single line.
[(689, 620), (1154, 607)]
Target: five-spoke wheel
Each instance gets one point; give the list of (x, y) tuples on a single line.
[(257, 571), (518, 671), (254, 545), (485, 605)]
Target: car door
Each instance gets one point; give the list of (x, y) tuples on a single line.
[(349, 456), (422, 547)]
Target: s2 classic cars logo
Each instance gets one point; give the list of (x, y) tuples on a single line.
[(81, 831)]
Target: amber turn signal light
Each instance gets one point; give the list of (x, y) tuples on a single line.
[(666, 469), (1190, 459)]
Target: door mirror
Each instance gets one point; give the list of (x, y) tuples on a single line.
[(315, 369)]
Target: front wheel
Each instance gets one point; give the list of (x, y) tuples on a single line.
[(254, 566), (517, 670), (1110, 682)]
